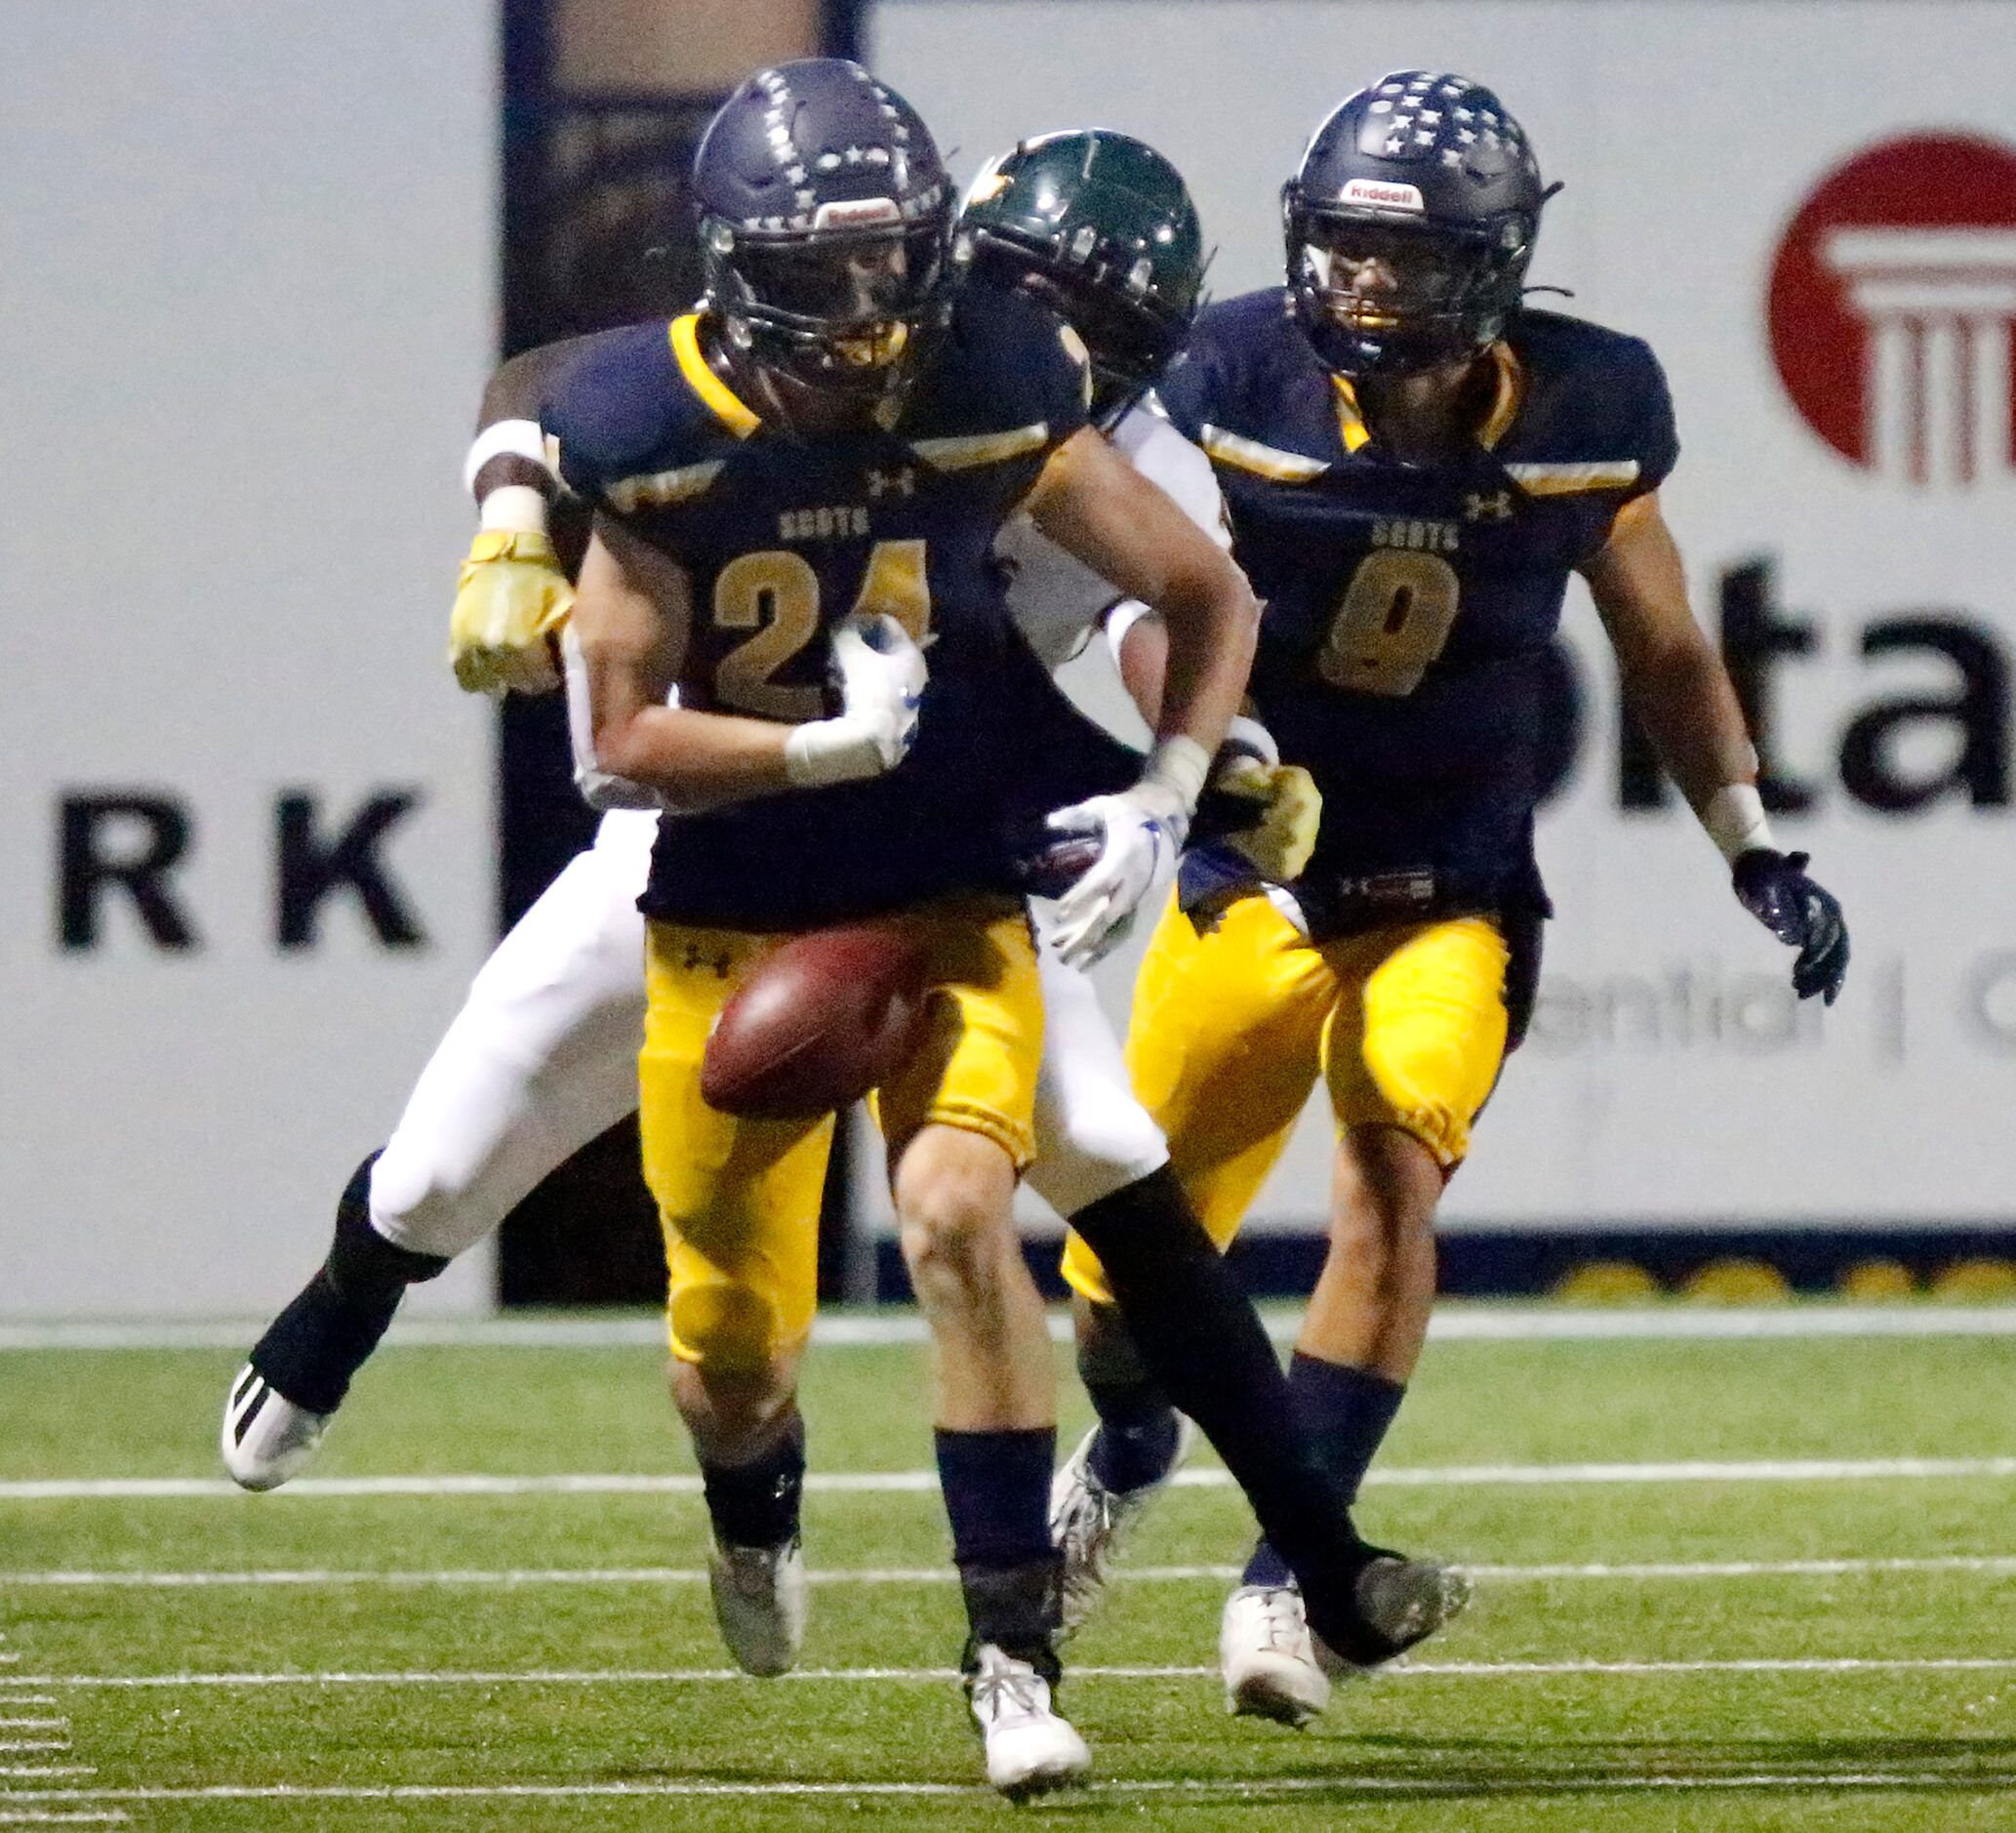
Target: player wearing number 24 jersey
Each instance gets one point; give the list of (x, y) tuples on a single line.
[(783, 537), (1414, 464)]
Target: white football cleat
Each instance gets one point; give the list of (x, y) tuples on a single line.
[(1268, 1657), (266, 1438), (1030, 1749), (1088, 1521), (759, 1602)]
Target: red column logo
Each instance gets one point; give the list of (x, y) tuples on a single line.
[(1891, 306)]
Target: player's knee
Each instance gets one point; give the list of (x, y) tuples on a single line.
[(955, 1230), (731, 1334), (417, 1205)]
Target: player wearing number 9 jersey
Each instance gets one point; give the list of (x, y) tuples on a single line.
[(1414, 464)]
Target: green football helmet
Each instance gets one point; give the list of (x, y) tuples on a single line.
[(1101, 228)]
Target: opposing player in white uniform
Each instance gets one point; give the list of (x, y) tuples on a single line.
[(543, 1056)]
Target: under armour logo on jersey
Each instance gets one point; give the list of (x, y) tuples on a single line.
[(1496, 508), (902, 483)]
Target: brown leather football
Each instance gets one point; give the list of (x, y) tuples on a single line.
[(826, 1017)]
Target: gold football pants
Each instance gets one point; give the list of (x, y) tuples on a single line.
[(1405, 1024), (739, 1199)]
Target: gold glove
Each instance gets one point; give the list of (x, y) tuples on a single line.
[(511, 598), (1287, 808)]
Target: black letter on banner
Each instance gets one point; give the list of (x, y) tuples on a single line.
[(1979, 713), (1753, 639), (89, 862), (309, 868)]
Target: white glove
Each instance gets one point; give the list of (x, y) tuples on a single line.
[(880, 672), (1137, 830)]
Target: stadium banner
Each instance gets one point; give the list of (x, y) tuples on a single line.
[(1809, 211), (248, 849)]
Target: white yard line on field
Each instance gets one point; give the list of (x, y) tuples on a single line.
[(1456, 1322), (1999, 1564), (43, 1817), (925, 1482), (1588, 1782), (55, 1817), (708, 1676)]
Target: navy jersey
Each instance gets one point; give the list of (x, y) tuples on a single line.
[(1410, 609), (781, 537)]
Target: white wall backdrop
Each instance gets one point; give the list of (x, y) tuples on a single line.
[(245, 309), (1670, 1076)]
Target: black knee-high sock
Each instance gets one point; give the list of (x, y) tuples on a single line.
[(997, 1498), (756, 1504), (1347, 1411), (1138, 1432), (1199, 1334), (312, 1349)]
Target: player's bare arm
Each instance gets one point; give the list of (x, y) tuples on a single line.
[(1098, 507), (1095, 507), (630, 622), (1676, 684), (1674, 681), (632, 611)]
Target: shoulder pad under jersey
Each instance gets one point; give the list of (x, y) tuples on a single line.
[(1007, 374), (1594, 412), (636, 409)]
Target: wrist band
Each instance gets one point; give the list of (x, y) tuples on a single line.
[(513, 509), (1735, 820), (505, 438), (1180, 764), (831, 750), (1254, 740), (1121, 619)]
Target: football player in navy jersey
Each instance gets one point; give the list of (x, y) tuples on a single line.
[(539, 1053), (1414, 464)]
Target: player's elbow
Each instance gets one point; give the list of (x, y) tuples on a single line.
[(1208, 596), (611, 774), (607, 793)]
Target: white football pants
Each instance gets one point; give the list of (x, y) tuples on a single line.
[(543, 1057)]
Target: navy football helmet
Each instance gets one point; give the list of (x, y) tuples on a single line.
[(1409, 224), (825, 214)]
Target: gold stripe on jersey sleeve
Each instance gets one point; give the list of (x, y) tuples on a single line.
[(1263, 461), (1350, 419), (657, 490), (965, 451), (728, 407), (1566, 480), (1504, 403)]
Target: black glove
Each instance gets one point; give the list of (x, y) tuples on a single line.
[(1774, 889)]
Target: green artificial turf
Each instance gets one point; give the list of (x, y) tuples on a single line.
[(457, 1601)]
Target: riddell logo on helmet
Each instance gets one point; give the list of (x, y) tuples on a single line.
[(1380, 195), (1892, 303), (859, 213)]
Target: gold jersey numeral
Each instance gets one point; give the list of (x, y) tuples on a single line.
[(1393, 621), (773, 593)]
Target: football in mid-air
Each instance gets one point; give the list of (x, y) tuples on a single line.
[(830, 1015)]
